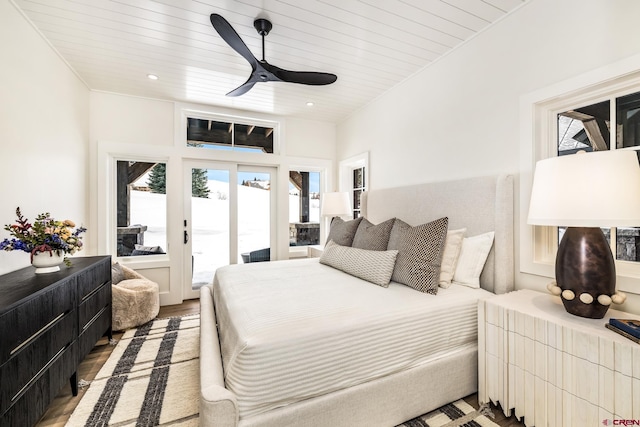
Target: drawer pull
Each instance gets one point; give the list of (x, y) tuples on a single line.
[(39, 373), (34, 336), (93, 319), (93, 292)]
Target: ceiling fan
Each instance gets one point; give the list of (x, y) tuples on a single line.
[(262, 71)]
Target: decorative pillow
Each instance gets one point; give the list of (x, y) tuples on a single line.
[(117, 273), (473, 255), (373, 266), (373, 237), (147, 250), (452, 246), (419, 253), (342, 232)]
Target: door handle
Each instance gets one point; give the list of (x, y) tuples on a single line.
[(186, 237)]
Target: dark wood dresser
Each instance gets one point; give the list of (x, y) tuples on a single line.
[(48, 324)]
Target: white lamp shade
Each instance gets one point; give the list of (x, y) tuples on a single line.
[(335, 204), (599, 189)]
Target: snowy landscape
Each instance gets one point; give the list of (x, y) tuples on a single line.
[(210, 223)]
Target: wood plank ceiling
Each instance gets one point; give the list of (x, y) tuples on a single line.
[(371, 45)]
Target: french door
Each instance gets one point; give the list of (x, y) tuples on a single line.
[(229, 218)]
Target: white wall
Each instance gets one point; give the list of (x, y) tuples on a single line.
[(131, 126), (459, 117), (44, 130)]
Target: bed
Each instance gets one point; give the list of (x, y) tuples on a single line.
[(323, 371)]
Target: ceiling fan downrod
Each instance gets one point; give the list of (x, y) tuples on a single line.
[(262, 26)]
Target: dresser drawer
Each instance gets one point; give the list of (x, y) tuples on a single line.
[(34, 315), (93, 331), (29, 362), (29, 407), (92, 304), (93, 277)]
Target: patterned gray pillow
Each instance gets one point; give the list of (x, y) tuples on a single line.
[(373, 266), (420, 252), (373, 237), (342, 231)]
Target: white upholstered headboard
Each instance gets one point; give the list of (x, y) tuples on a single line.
[(480, 204)]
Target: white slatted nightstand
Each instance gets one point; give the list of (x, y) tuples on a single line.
[(553, 368), (315, 251)]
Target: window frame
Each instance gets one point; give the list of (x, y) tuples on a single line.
[(187, 113), (347, 167), (538, 117)]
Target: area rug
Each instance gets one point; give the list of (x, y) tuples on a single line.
[(152, 378), (456, 414)]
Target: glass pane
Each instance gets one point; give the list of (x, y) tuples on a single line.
[(141, 204), (628, 119), (358, 178), (209, 134), (254, 216), (628, 244), (304, 208), (253, 138), (357, 196), (585, 128), (209, 223)]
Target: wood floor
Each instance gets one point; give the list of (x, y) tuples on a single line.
[(61, 408)]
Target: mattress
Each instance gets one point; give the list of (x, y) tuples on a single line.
[(292, 330)]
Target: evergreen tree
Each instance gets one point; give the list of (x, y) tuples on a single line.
[(158, 179), (199, 182)]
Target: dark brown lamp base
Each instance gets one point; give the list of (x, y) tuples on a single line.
[(585, 264)]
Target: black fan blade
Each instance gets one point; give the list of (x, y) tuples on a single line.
[(232, 38), (241, 90), (302, 77)]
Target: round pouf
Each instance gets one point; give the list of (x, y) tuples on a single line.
[(135, 302)]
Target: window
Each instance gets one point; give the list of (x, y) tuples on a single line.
[(359, 186), (222, 135), (586, 113), (304, 208), (354, 177), (141, 208), (588, 128)]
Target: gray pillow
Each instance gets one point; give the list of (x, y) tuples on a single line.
[(373, 237), (117, 274), (373, 266), (420, 252), (342, 231)]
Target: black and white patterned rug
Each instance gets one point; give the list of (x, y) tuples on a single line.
[(456, 414), (152, 378)]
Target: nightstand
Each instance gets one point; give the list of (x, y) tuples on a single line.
[(315, 251), (553, 368)]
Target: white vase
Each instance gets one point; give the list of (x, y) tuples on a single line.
[(47, 262)]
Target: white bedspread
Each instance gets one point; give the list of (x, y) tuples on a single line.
[(291, 330)]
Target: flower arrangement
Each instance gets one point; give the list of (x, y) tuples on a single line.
[(44, 235)]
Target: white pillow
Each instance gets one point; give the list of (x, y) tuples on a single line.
[(452, 246), (372, 266), (473, 255)]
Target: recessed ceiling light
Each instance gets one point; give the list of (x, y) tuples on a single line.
[(152, 76), (310, 104)]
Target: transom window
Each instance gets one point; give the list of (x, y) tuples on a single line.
[(229, 136)]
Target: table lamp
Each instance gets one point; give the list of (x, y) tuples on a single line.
[(586, 191), (335, 204)]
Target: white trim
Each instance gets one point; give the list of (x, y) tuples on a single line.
[(538, 140), (108, 154)]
